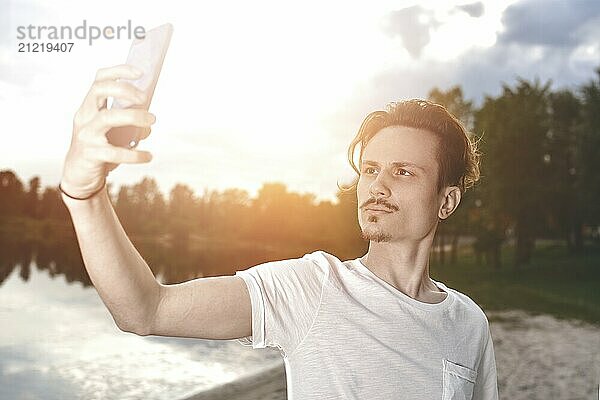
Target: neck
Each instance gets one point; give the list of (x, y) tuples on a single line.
[(404, 265)]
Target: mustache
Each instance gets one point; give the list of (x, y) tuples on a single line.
[(381, 202)]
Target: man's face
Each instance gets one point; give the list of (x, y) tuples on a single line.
[(399, 172)]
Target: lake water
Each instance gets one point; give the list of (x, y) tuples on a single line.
[(58, 341)]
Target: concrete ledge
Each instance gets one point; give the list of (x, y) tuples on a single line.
[(268, 384)]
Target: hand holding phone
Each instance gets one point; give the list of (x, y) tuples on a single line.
[(147, 55)]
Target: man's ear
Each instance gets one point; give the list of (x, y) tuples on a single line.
[(451, 200)]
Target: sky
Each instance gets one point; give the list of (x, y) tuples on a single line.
[(274, 91)]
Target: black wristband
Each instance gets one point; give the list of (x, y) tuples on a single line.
[(82, 198)]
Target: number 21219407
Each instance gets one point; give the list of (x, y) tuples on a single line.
[(45, 47)]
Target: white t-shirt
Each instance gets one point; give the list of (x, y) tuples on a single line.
[(344, 333)]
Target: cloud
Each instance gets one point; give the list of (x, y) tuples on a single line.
[(550, 23), (549, 40), (413, 25), (475, 10), (480, 72)]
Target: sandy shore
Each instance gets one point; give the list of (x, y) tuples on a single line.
[(541, 357), (537, 357)]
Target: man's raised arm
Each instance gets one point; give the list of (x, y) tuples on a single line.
[(210, 308)]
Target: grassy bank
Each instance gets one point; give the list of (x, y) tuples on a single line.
[(555, 282)]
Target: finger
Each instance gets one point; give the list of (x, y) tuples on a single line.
[(121, 155), (107, 119), (122, 71), (97, 97), (144, 133), (121, 90), (91, 103)]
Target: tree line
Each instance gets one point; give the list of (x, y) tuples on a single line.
[(540, 157)]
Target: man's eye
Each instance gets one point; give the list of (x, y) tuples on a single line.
[(404, 172)]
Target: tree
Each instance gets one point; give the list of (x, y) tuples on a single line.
[(271, 212), (457, 223), (182, 216), (455, 103), (563, 205), (51, 205), (11, 194), (141, 207), (515, 127), (588, 182), (32, 198), (229, 212), (350, 243), (150, 207)]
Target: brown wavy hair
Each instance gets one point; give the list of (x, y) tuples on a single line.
[(459, 160)]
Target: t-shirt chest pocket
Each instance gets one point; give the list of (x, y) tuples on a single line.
[(458, 382)]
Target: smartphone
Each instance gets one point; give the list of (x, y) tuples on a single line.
[(146, 54)]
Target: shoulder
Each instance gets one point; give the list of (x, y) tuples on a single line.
[(310, 268), (469, 310)]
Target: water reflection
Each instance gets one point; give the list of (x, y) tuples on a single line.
[(59, 341), (171, 262)]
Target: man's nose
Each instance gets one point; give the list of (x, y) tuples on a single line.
[(379, 187)]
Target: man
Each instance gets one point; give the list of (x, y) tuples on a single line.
[(376, 327)]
